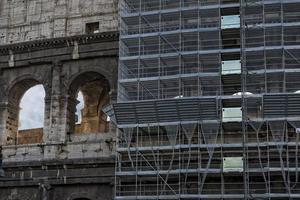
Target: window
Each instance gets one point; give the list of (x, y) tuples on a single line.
[(32, 108), (230, 21), (233, 164), (89, 93), (232, 114), (26, 110), (91, 28), (231, 67)]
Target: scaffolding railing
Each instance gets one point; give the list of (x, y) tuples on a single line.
[(138, 6), (175, 52)]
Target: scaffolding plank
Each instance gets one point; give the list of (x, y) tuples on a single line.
[(166, 111)]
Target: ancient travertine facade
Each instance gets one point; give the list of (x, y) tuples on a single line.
[(29, 20), (66, 46)]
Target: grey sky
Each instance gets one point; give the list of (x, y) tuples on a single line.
[(79, 107), (33, 107)]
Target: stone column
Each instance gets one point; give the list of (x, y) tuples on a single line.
[(54, 131), (113, 99), (3, 117), (9, 113), (69, 114)]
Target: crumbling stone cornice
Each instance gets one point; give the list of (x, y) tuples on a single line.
[(58, 42)]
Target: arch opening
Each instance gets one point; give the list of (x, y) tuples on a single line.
[(88, 93), (25, 113), (32, 108)]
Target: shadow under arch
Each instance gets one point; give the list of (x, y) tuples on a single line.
[(14, 95), (95, 89)]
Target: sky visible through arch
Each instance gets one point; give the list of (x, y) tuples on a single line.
[(32, 108), (79, 107)]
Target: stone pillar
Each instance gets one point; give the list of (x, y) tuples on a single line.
[(69, 115), (54, 131), (95, 96), (113, 99), (47, 124), (10, 122), (3, 117)]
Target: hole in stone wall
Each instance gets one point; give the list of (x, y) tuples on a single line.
[(91, 28), (89, 93), (92, 119), (31, 116), (32, 108), (25, 114)]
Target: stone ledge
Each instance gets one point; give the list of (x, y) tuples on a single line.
[(59, 42), (57, 162)]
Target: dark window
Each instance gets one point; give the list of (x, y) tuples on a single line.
[(91, 28)]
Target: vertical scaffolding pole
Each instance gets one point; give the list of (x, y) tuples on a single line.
[(244, 90)]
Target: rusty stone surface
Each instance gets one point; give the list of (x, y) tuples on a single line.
[(32, 136)]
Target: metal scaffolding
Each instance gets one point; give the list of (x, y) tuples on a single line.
[(208, 100)]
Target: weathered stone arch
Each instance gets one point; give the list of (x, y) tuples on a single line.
[(24, 79), (13, 95), (95, 89), (83, 77), (103, 66), (52, 63)]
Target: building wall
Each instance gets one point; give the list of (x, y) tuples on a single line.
[(63, 180), (30, 136), (28, 20), (46, 42), (55, 162)]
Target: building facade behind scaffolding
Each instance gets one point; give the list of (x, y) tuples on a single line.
[(208, 104)]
